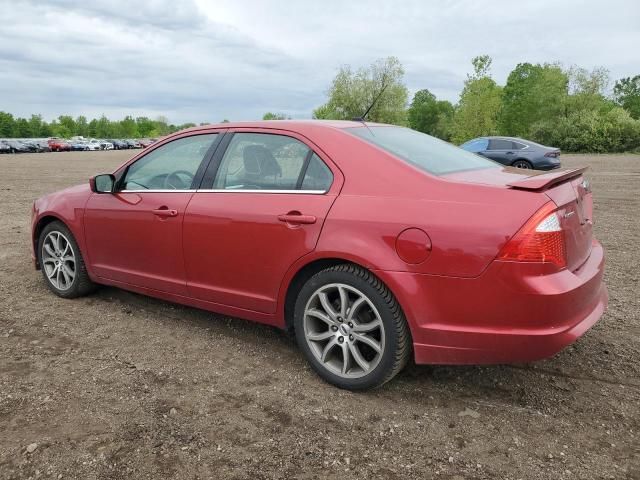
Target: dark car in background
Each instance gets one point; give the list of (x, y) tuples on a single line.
[(119, 144), (18, 147), (42, 145), (133, 144), (515, 152), (4, 147)]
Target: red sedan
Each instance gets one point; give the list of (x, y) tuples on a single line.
[(373, 243)]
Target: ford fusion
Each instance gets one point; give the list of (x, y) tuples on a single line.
[(372, 243)]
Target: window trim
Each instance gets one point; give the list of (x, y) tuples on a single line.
[(524, 145), (211, 172), (239, 190)]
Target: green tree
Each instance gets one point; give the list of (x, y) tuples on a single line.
[(38, 126), (66, 125), (429, 115), (145, 126), (532, 93), (22, 129), (275, 116), (587, 90), (6, 124), (479, 103), (626, 92), (82, 126), (352, 92)]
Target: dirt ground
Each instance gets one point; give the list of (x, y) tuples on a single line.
[(117, 385)]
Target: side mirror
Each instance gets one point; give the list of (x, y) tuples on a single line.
[(103, 183)]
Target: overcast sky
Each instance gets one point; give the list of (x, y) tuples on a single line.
[(206, 60)]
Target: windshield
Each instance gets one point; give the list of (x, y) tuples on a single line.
[(423, 151)]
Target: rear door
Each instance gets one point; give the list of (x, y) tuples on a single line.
[(261, 207), (501, 151)]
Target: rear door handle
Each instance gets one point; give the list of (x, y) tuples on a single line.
[(165, 212), (297, 218), (509, 153)]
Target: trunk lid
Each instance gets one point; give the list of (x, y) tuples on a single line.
[(568, 189)]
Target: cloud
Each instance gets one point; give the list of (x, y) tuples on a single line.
[(204, 61)]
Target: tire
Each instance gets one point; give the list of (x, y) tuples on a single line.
[(524, 164), (80, 283), (377, 320)]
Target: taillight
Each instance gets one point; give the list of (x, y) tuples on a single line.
[(541, 239), (555, 154)]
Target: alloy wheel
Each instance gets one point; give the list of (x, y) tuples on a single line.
[(58, 260), (522, 164), (344, 330)]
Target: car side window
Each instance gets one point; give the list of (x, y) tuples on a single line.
[(518, 145), (172, 166), (500, 144), (318, 176), (261, 161), (475, 146)]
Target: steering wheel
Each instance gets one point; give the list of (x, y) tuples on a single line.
[(174, 180)]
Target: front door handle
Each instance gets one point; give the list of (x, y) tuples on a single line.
[(296, 218), (165, 212)]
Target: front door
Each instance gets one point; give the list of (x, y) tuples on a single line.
[(264, 210), (134, 236)]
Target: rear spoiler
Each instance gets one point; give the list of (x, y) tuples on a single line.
[(546, 180)]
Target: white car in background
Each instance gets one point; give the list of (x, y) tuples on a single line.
[(93, 144), (106, 145)]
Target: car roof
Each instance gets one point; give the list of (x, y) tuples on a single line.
[(500, 137), (288, 124)]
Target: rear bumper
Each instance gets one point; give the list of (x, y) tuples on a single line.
[(511, 313)]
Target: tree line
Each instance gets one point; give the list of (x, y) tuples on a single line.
[(65, 126), (569, 108)]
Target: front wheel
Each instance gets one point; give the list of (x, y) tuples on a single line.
[(61, 262), (351, 328)]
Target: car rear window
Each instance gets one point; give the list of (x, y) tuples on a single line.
[(423, 151)]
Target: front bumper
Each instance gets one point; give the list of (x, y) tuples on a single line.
[(511, 313)]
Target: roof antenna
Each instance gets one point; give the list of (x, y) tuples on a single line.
[(375, 100)]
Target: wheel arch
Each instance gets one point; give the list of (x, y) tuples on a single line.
[(304, 272), (40, 225)]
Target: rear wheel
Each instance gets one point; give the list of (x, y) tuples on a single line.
[(61, 262), (350, 328), (522, 164)]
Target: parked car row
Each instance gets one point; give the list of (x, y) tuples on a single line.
[(75, 144), (23, 146)]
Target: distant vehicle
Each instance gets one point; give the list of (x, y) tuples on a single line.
[(78, 146), (119, 144), (42, 145), (94, 144), (4, 147), (32, 146), (58, 145), (106, 145), (16, 146), (133, 144), (146, 142), (515, 152)]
